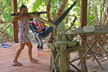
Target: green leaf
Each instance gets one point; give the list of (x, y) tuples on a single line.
[(36, 4)]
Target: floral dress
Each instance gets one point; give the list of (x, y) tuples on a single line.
[(23, 35)]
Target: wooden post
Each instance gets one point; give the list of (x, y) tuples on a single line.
[(64, 59), (83, 16), (83, 23), (15, 24), (84, 13), (83, 64)]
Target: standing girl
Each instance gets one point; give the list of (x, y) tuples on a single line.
[(23, 22)]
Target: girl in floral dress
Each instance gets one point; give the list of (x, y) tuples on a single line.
[(23, 34)]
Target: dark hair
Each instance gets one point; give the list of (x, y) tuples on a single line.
[(23, 6)]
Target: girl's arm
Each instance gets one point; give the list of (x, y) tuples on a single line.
[(32, 16)]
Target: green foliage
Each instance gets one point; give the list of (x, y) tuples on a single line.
[(76, 11), (36, 4), (6, 15), (40, 5), (90, 14)]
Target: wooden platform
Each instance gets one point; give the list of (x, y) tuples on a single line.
[(7, 55)]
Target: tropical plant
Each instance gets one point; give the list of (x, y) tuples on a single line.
[(54, 9)]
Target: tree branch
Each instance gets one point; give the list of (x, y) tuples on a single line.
[(71, 24), (48, 11), (4, 7), (5, 34), (61, 8), (4, 21), (6, 28)]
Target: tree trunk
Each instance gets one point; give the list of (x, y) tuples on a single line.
[(105, 16), (96, 15), (58, 14)]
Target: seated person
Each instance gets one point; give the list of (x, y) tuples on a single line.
[(37, 28)]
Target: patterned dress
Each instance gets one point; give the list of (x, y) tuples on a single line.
[(23, 35)]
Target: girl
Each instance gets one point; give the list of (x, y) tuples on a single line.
[(23, 22)]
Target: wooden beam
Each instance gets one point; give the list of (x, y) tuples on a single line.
[(15, 24)]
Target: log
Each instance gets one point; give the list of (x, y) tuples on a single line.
[(17, 14), (67, 43), (64, 37)]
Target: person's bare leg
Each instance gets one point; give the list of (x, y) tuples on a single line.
[(30, 52), (18, 52)]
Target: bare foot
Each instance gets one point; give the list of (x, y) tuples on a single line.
[(34, 61), (17, 64)]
